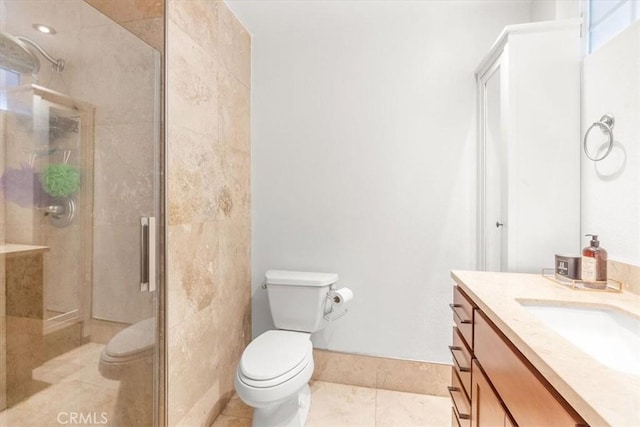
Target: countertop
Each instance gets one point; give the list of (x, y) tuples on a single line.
[(16, 249), (601, 395)]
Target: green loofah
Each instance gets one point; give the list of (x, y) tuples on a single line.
[(60, 180)]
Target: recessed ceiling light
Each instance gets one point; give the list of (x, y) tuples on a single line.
[(45, 29)]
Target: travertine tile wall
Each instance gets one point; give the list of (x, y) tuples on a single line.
[(381, 372), (144, 18), (208, 245)]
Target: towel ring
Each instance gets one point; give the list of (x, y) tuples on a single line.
[(606, 125)]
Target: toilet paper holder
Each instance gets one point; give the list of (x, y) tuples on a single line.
[(330, 312)]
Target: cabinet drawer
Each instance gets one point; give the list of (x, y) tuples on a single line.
[(531, 401), (454, 418), (463, 315), (461, 356), (461, 403)]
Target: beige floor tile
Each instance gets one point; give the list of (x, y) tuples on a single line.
[(341, 405), (92, 375), (19, 417), (87, 354), (237, 408), (229, 421), (338, 405), (71, 396), (83, 368), (398, 409), (56, 370), (74, 384)]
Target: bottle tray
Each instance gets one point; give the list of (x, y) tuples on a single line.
[(610, 285)]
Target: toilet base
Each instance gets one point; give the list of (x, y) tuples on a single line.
[(291, 413), (134, 404)]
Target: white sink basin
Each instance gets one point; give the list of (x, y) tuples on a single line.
[(610, 336)]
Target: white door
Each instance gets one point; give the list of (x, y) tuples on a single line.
[(495, 176)]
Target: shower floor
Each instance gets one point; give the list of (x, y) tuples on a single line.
[(66, 385), (351, 406)]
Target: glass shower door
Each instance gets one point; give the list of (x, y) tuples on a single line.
[(79, 169)]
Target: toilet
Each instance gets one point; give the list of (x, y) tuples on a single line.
[(275, 369), (128, 358)]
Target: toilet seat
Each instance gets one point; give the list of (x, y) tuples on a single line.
[(274, 358), (133, 342), (274, 367)]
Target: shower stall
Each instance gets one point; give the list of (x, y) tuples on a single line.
[(48, 146), (80, 191)]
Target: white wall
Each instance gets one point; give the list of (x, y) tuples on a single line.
[(567, 9), (363, 153), (611, 187), (543, 10), (548, 10)]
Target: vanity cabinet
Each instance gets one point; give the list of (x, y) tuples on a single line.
[(492, 383)]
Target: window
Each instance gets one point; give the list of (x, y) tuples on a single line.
[(7, 79), (607, 18)]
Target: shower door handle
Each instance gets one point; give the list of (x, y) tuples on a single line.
[(147, 254)]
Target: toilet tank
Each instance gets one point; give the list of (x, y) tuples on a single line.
[(297, 299)]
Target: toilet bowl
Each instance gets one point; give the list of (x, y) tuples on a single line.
[(128, 358), (273, 376)]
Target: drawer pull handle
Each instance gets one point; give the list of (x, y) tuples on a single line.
[(452, 390), (453, 349), (462, 320)]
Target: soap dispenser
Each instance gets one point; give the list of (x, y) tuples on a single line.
[(594, 264)]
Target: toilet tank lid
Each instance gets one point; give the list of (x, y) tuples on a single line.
[(300, 278)]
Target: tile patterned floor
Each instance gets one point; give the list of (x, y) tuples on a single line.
[(338, 405), (73, 375)]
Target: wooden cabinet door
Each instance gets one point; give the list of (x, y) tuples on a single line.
[(531, 401), (486, 408)]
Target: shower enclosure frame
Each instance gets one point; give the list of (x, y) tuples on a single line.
[(86, 113), (162, 372)]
